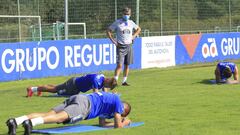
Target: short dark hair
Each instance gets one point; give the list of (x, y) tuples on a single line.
[(127, 108), (227, 72), (126, 10), (113, 83)]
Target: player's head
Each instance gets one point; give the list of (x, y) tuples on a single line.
[(126, 13), (110, 83), (227, 72), (127, 109)]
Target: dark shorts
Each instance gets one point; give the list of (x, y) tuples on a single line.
[(68, 87), (77, 107), (125, 54)]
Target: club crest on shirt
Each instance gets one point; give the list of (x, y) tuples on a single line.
[(126, 31)]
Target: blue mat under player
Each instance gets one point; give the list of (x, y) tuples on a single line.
[(79, 129)]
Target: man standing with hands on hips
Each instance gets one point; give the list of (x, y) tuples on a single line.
[(126, 31)]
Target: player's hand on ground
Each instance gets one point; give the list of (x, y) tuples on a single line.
[(126, 120)]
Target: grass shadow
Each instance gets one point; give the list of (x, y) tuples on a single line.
[(6, 91), (207, 81)]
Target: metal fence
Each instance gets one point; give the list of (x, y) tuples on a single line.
[(90, 18)]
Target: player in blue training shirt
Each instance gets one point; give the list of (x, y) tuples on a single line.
[(224, 71), (76, 108), (75, 85)]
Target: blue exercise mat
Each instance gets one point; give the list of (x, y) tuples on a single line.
[(79, 129), (212, 81)]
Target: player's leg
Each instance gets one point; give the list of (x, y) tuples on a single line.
[(13, 123), (47, 88), (74, 109), (39, 89), (125, 74), (49, 118), (120, 60), (19, 120), (35, 115), (41, 118), (128, 59), (60, 89), (117, 71)]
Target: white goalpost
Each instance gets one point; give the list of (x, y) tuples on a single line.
[(57, 34), (84, 28), (19, 25)]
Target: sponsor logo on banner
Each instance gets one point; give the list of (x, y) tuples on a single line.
[(190, 42), (209, 49), (229, 47), (23, 59), (158, 51), (43, 58)]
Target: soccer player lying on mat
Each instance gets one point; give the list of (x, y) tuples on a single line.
[(224, 71), (76, 108), (75, 85)]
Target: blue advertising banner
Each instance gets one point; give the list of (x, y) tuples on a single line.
[(207, 47), (57, 58)]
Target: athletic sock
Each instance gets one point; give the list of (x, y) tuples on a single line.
[(37, 121), (34, 89), (20, 120), (124, 79), (116, 77)]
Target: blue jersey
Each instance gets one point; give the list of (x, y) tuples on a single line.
[(90, 81), (222, 65), (104, 105)]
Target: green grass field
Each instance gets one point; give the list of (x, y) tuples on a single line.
[(171, 101)]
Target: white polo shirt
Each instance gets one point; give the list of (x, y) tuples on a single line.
[(124, 30)]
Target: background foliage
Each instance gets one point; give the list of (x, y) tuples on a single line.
[(156, 17)]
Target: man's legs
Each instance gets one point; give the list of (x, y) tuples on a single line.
[(125, 74), (12, 123), (39, 89), (52, 117), (34, 119), (118, 71), (49, 118), (19, 120), (128, 59), (47, 88), (67, 87)]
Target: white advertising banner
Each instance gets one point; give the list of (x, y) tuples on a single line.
[(158, 51)]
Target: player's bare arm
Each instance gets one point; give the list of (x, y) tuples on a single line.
[(104, 123), (136, 33), (119, 121), (217, 75), (235, 74), (109, 34), (232, 82)]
